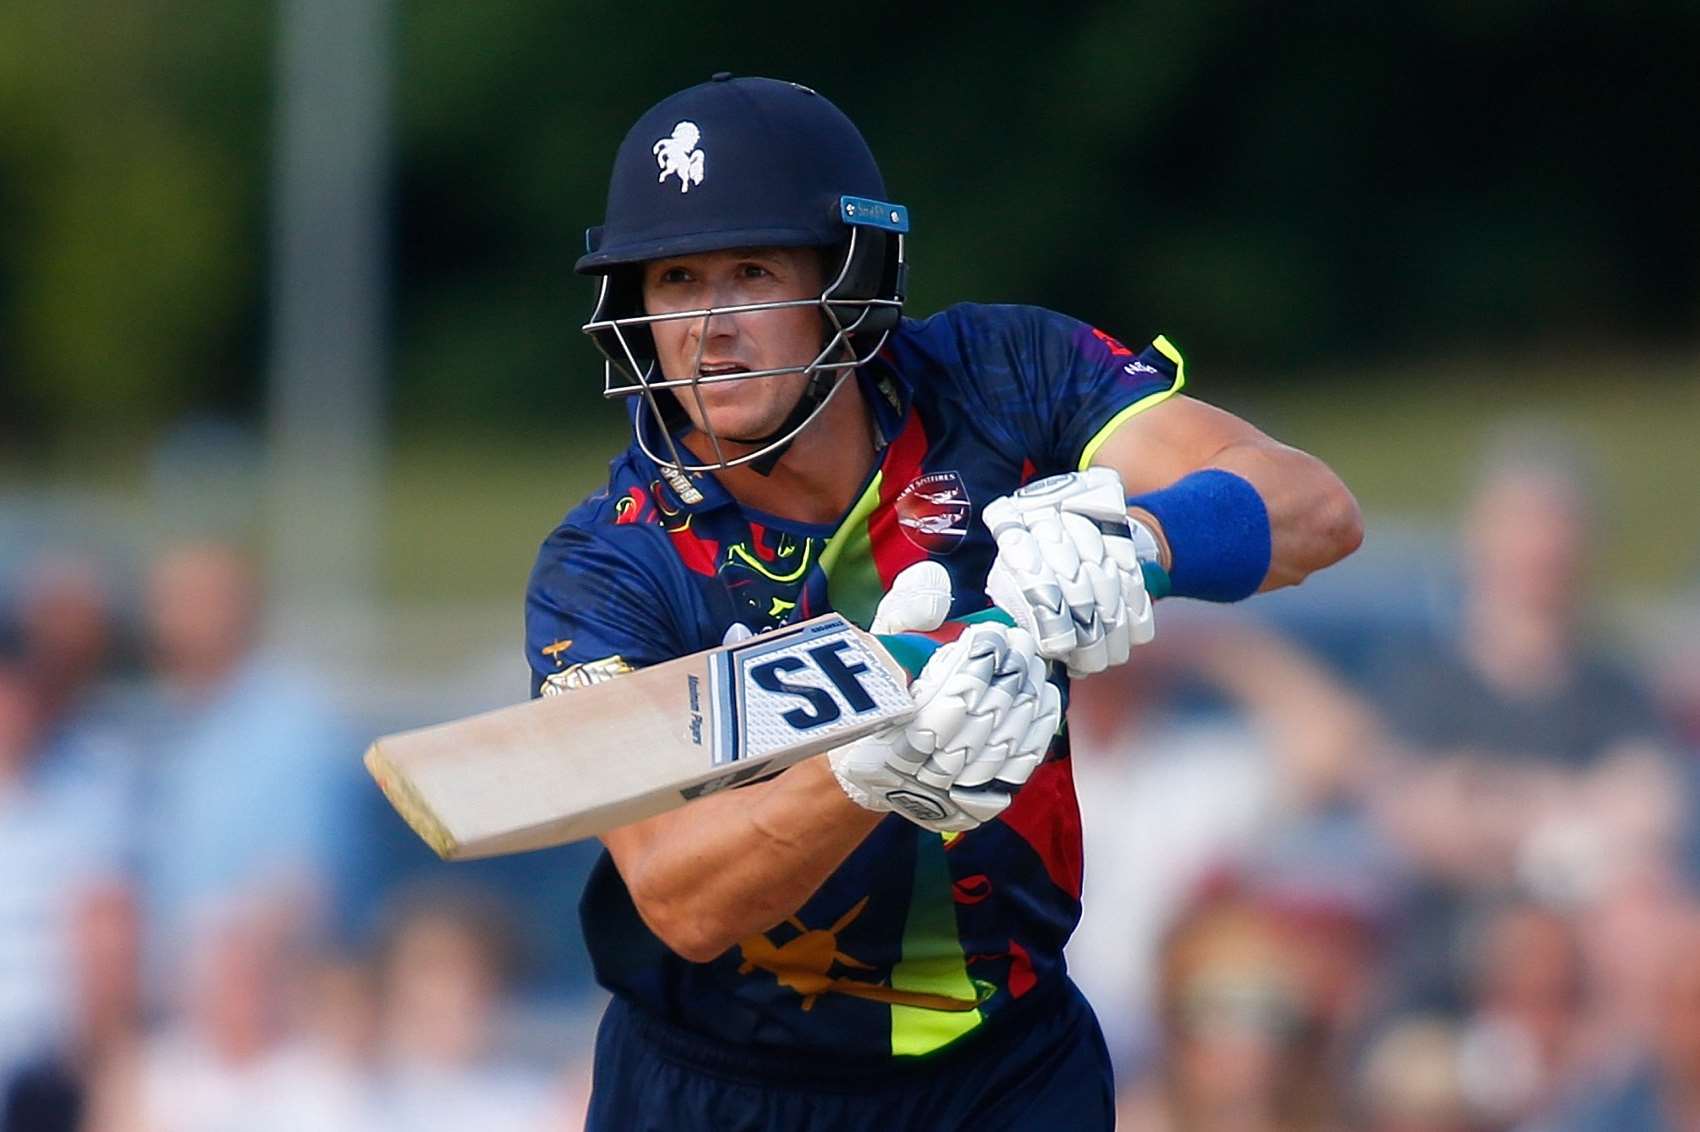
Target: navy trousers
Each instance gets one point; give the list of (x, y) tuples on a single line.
[(1043, 1067)]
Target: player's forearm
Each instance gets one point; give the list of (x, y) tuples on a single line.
[(727, 866), (1277, 516), (1314, 520)]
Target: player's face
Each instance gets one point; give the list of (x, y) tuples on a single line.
[(736, 342)]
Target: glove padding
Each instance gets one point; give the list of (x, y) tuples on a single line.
[(984, 718), (1066, 569)]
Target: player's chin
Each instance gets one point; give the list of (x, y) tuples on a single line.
[(741, 429), (729, 418)]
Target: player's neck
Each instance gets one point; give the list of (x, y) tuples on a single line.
[(822, 472)]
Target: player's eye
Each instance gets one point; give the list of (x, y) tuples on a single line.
[(675, 275), (753, 271)]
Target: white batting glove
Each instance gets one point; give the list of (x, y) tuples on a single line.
[(918, 601), (1067, 570), (985, 716)]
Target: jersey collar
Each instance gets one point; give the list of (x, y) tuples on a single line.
[(889, 394), (881, 384)]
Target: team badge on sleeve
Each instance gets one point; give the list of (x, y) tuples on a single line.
[(584, 675)]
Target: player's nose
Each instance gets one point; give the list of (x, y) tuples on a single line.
[(718, 323)]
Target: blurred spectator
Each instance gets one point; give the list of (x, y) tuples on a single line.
[(52, 1095), (62, 831), (1334, 937), (1671, 630), (1242, 1047), (1173, 796), (324, 1077), (1524, 1048), (1519, 680), (1660, 1092), (252, 784), (1626, 939), (1410, 1081), (65, 619), (447, 959), (215, 1064), (1533, 761)]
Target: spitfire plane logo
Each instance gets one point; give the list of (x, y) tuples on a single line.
[(933, 512), (679, 156)]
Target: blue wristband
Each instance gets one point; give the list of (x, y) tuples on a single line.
[(1218, 532)]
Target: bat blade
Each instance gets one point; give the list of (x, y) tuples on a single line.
[(577, 764)]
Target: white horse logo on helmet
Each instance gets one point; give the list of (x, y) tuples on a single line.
[(679, 154)]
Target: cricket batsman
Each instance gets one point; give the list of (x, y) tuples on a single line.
[(873, 938)]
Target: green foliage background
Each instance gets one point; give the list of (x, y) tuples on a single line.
[(1285, 185), (133, 155)]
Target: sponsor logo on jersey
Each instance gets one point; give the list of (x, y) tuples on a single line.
[(632, 507), (808, 961), (1115, 347), (933, 511), (678, 156)]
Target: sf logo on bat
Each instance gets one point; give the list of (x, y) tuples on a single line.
[(771, 694), (820, 706)]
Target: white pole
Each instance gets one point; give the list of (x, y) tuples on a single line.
[(326, 429)]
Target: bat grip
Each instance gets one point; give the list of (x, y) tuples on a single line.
[(990, 613), (913, 650)]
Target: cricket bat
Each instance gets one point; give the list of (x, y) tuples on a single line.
[(582, 762)]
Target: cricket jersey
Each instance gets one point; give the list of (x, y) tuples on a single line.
[(918, 939)]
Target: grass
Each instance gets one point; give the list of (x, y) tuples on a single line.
[(1412, 443), (466, 514), (463, 512)]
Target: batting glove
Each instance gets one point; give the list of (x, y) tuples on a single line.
[(1067, 570), (921, 770), (985, 715)]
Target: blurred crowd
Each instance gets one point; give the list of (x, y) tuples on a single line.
[(1437, 871), (185, 835), (1439, 876)]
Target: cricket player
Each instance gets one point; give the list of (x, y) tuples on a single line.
[(873, 938)]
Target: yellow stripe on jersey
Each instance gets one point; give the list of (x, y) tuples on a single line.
[(1167, 349), (756, 564), (932, 962)]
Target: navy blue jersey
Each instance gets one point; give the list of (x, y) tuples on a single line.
[(918, 938)]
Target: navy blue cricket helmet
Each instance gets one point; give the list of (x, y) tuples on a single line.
[(745, 162)]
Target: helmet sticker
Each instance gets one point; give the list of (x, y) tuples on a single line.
[(678, 155)]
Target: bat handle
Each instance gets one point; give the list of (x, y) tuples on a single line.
[(990, 613), (913, 650)]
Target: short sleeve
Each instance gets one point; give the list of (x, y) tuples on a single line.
[(1107, 384), (593, 612), (1054, 385)]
